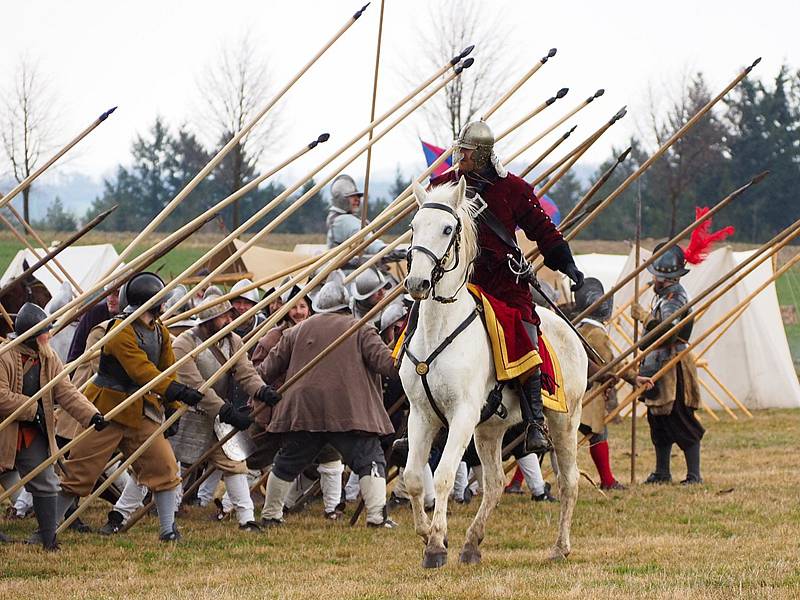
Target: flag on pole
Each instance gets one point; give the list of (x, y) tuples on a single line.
[(550, 208), (431, 154)]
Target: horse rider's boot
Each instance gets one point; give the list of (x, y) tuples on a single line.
[(537, 438), (46, 510)]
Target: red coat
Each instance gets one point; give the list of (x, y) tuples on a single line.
[(513, 202)]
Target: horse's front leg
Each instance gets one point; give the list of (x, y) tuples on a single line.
[(488, 443), (462, 424), (564, 432), (420, 438)]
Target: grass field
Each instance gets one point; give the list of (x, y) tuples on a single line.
[(733, 537)]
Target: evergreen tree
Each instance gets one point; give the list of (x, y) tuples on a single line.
[(57, 218), (566, 193)]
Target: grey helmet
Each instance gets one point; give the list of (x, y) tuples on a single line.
[(251, 295), (670, 265), (588, 294), (367, 283), (28, 317), (179, 292), (478, 136), (341, 189), (391, 315), (333, 296)]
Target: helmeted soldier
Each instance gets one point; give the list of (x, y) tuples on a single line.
[(178, 327), (509, 202), (338, 402), (366, 291), (593, 329), (30, 439), (244, 302), (671, 404), (215, 414), (137, 354), (342, 221)]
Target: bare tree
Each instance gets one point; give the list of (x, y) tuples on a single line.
[(27, 124), (234, 89), (452, 26)]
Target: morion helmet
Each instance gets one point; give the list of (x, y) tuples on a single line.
[(477, 136), (341, 189), (367, 283), (333, 296), (588, 294), (670, 265)]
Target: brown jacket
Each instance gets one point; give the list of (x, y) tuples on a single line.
[(133, 359), (243, 370), (265, 344), (66, 426), (340, 393), (11, 398)]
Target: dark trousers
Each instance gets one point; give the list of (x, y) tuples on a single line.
[(360, 451)]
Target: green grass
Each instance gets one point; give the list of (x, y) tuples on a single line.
[(733, 537)]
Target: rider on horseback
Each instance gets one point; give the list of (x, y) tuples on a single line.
[(510, 202)]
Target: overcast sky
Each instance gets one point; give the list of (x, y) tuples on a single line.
[(146, 57)]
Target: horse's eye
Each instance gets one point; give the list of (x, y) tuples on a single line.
[(448, 230)]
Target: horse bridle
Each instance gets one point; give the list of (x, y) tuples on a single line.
[(439, 270)]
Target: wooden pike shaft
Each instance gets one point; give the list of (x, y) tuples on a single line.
[(716, 398), (538, 160), (518, 84), (675, 359), (723, 331), (297, 204), (55, 251), (660, 252), (549, 102), (32, 177), (43, 244), (378, 256), (365, 199), (234, 141), (637, 258), (555, 125), (21, 239), (6, 317), (724, 387)]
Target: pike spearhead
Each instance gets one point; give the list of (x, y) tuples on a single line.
[(620, 113), (597, 94), (569, 133), (323, 137), (106, 114), (562, 92), (759, 178), (464, 65), (752, 66), (624, 155), (360, 11), (467, 51)]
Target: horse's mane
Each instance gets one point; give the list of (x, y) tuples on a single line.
[(445, 194)]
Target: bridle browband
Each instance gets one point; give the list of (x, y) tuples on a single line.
[(439, 270)]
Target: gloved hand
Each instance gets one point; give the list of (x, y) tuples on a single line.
[(639, 312), (575, 275), (177, 392), (395, 255), (268, 395), (98, 422), (239, 418)]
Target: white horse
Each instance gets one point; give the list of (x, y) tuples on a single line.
[(462, 374)]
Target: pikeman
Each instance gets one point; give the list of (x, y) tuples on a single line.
[(338, 402), (505, 202), (202, 426), (366, 291), (244, 302), (671, 404), (593, 328), (342, 221), (136, 355), (29, 440)]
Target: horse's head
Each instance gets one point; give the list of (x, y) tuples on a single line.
[(443, 243)]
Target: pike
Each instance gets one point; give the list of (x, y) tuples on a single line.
[(557, 124), (569, 160), (535, 163), (365, 198), (671, 242), (58, 249), (112, 279), (21, 239), (549, 102), (234, 141), (637, 258), (25, 183)]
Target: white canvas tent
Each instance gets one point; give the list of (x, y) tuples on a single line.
[(752, 358), (86, 264)]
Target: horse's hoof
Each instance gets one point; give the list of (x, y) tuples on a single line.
[(470, 555), (558, 554), (433, 559)]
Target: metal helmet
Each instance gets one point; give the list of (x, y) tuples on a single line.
[(671, 264), (333, 296), (478, 136), (28, 317), (391, 315), (63, 296), (212, 307), (588, 294), (172, 299), (139, 289), (341, 189), (367, 283), (251, 295)]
